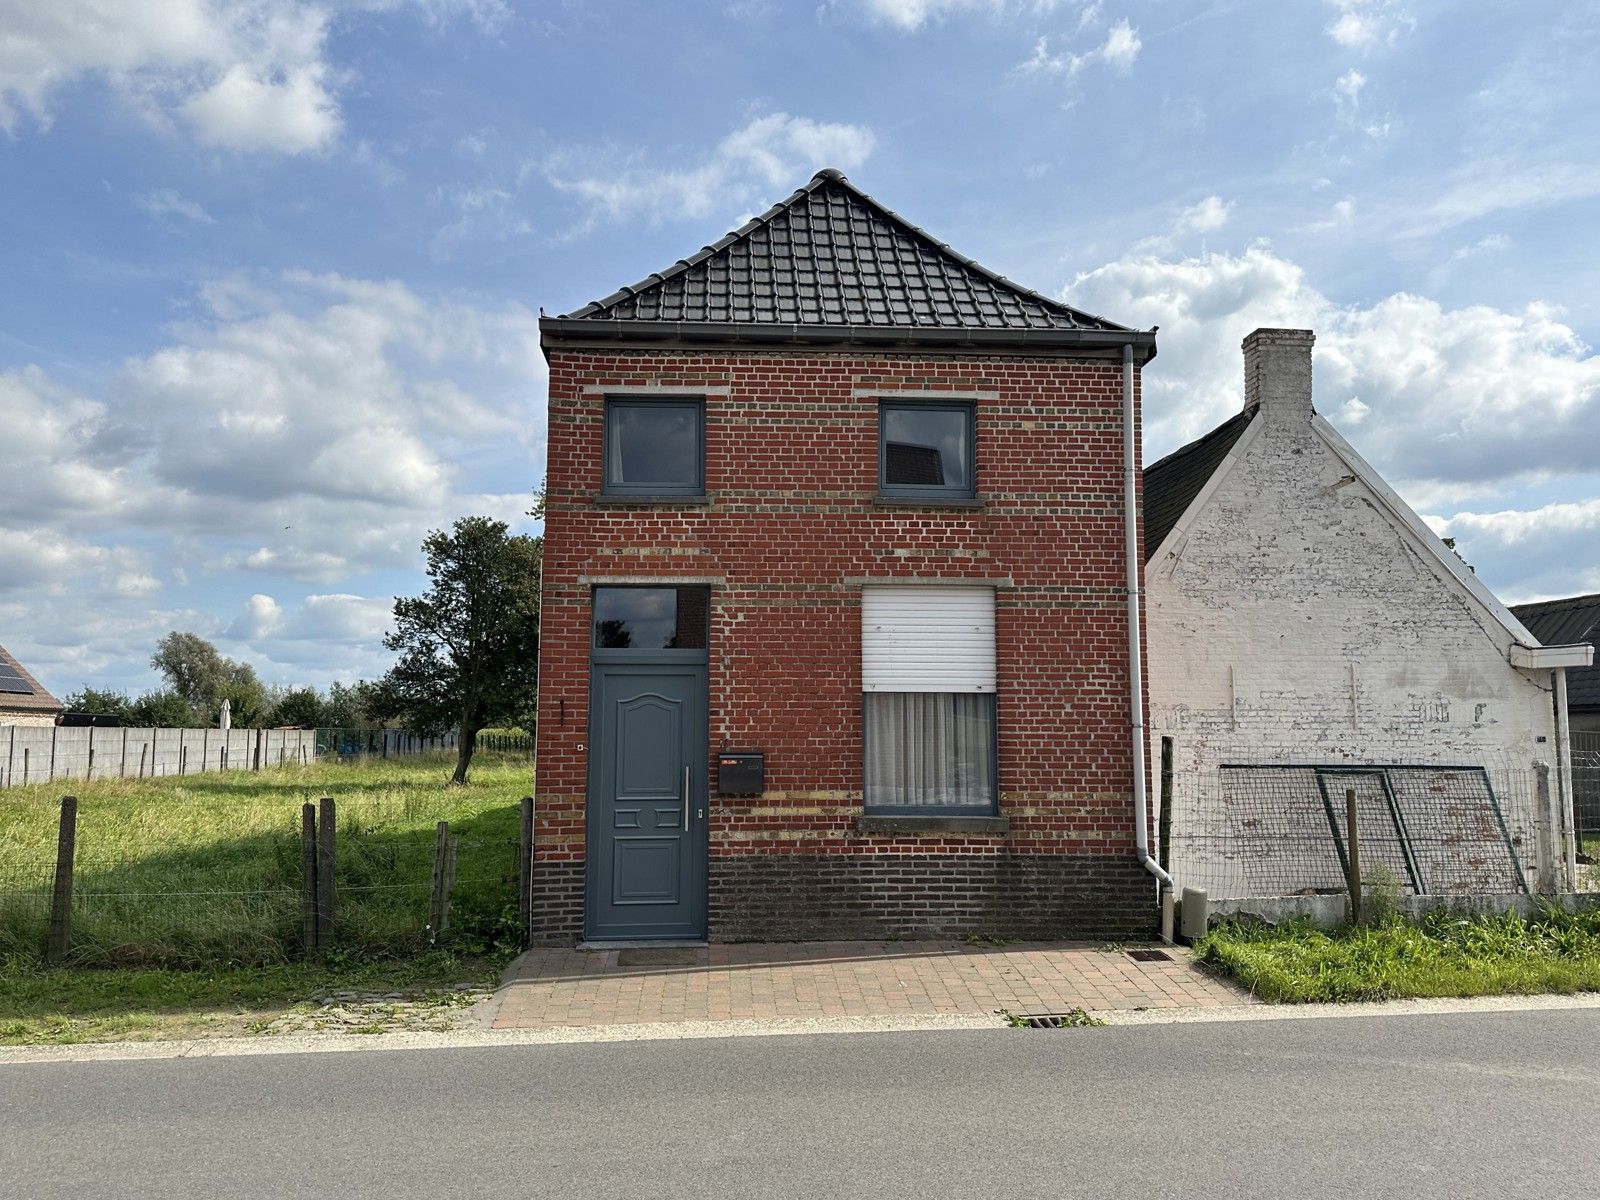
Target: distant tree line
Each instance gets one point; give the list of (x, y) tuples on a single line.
[(198, 680), (468, 656)]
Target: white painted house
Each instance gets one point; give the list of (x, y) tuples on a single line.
[(1308, 633)]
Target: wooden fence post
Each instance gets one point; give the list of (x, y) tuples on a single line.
[(1547, 841), (308, 878), (525, 871), (61, 895), (452, 847), (122, 772), (52, 772), (326, 836), (438, 893), (1352, 838)]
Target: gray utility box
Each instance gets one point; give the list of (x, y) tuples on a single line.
[(741, 773)]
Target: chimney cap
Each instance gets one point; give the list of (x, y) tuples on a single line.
[(1280, 336)]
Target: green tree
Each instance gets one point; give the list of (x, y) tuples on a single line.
[(299, 706), (98, 703), (195, 670), (469, 645), (163, 709), (347, 705)]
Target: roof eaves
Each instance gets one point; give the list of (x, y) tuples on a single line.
[(583, 330)]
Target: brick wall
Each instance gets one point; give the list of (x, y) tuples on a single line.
[(792, 527)]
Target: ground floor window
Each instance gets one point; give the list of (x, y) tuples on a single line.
[(930, 750)]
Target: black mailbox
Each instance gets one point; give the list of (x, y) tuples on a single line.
[(740, 773)]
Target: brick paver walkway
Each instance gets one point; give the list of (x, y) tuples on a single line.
[(843, 979)]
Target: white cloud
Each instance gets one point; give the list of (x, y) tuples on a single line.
[(911, 15), (41, 563), (288, 113), (1485, 247), (1455, 397), (1208, 215), (1347, 88), (305, 428), (774, 151), (1533, 548), (313, 426), (1368, 24), (164, 202), (262, 615), (1449, 404), (1118, 52), (1340, 216), (248, 75)]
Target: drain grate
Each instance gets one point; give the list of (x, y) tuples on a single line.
[(1149, 956), (1073, 1018)]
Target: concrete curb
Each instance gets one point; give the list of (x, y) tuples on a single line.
[(788, 1027)]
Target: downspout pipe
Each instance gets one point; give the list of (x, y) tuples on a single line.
[(1130, 519)]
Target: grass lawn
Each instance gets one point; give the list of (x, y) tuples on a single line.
[(204, 870), (1441, 956), (74, 1004), (186, 902)]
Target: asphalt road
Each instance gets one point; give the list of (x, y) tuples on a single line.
[(1494, 1105)]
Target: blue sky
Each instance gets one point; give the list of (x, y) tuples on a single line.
[(273, 267)]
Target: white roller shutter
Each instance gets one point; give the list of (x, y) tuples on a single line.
[(927, 639)]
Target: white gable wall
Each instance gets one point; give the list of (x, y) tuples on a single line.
[(1292, 620)]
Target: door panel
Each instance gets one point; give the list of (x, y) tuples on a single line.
[(647, 830)]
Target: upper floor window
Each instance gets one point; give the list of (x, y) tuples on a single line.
[(925, 450), (655, 447)]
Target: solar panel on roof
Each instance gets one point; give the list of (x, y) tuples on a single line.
[(12, 682)]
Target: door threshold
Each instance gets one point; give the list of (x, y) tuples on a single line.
[(643, 944)]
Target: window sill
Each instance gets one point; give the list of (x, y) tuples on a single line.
[(890, 501), (932, 823), (607, 499)]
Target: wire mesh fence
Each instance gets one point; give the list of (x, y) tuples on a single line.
[(1586, 789), (49, 753), (190, 882), (1255, 830)]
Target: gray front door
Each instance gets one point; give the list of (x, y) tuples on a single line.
[(647, 807)]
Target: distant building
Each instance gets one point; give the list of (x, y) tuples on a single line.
[(1575, 619), (23, 699), (1309, 636)]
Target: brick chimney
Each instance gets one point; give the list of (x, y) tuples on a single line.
[(1277, 374)]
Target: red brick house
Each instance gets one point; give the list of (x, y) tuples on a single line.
[(836, 620)]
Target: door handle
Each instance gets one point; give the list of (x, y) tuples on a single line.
[(688, 816)]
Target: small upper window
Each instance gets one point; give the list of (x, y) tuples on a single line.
[(655, 447), (651, 618), (925, 450)]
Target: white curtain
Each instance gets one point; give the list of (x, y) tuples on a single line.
[(933, 749)]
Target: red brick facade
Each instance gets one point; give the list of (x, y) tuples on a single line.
[(791, 531)]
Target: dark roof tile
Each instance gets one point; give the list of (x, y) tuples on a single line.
[(832, 255), (37, 699), (1569, 622), (1172, 483)]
